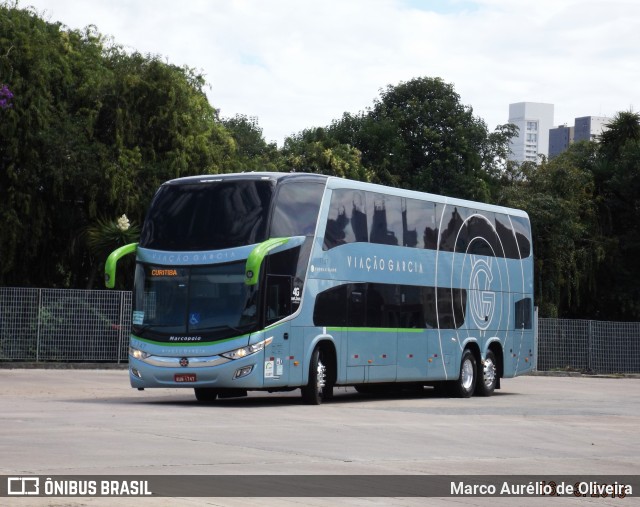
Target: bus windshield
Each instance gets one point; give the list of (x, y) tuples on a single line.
[(208, 215), (206, 303)]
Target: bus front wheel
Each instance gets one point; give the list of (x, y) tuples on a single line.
[(466, 383), (318, 386)]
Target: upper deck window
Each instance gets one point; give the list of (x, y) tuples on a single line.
[(361, 216), (208, 216), (296, 210)]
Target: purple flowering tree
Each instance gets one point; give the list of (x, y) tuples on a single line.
[(5, 97)]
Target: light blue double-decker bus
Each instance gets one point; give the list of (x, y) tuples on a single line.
[(278, 281)]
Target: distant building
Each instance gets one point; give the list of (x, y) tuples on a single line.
[(586, 128), (559, 139), (534, 120)]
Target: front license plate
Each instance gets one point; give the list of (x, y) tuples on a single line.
[(184, 377)]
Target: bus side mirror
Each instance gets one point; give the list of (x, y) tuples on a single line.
[(112, 261), (257, 255)]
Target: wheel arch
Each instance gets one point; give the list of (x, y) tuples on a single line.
[(496, 347), (327, 345)]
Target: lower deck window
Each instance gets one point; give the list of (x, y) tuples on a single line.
[(390, 306)]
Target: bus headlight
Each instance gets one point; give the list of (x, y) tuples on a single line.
[(248, 350), (138, 354)]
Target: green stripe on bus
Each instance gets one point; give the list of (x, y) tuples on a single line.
[(378, 329)]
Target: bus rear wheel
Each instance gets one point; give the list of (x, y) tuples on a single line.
[(466, 383), (318, 386), (489, 379)]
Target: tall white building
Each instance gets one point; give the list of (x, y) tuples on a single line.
[(533, 119)]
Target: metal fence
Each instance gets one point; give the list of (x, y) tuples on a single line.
[(589, 346), (40, 325), (64, 325)]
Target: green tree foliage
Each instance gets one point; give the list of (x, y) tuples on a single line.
[(617, 176), (91, 132), (418, 135), (559, 196), (313, 150), (250, 151)]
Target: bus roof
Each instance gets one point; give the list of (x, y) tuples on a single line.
[(334, 182)]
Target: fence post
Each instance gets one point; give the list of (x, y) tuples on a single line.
[(38, 316), (121, 324), (589, 345), (535, 339)]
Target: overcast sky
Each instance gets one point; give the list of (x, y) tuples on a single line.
[(297, 64)]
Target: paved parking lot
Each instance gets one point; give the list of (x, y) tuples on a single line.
[(90, 422)]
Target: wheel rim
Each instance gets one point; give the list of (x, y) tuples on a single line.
[(489, 372), (467, 374), (321, 375)]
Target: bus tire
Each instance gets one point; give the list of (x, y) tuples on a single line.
[(488, 377), (205, 394), (314, 391), (466, 383)]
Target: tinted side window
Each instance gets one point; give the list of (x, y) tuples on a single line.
[(482, 237), (418, 217), (523, 238), (452, 222), (523, 313), (452, 306), (278, 298), (281, 266), (331, 307), (378, 305), (507, 246), (296, 211), (347, 221), (385, 219)]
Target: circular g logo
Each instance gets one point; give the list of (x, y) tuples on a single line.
[(482, 300)]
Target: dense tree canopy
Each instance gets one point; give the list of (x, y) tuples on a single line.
[(91, 133), (88, 131)]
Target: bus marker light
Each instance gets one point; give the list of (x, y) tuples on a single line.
[(243, 372), (370, 361), (410, 356), (296, 363), (430, 360)]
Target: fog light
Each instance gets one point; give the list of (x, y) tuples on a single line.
[(136, 373), (243, 372)]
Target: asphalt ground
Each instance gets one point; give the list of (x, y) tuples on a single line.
[(57, 422)]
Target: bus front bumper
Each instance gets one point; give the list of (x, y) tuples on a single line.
[(191, 372)]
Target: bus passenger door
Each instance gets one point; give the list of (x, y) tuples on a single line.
[(277, 307)]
